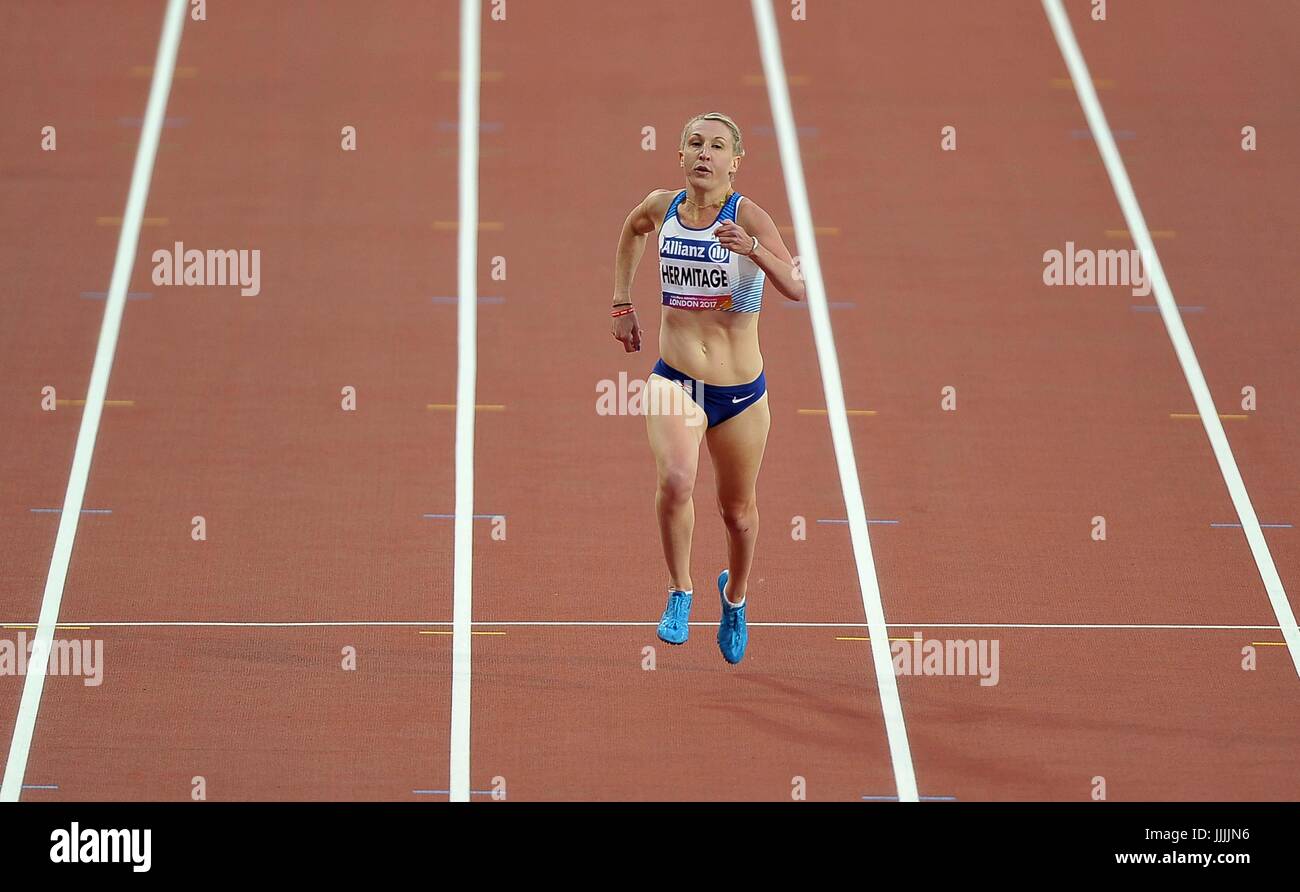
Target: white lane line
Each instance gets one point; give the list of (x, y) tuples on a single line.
[(1137, 225), (466, 372), (123, 263), (778, 92), (328, 624)]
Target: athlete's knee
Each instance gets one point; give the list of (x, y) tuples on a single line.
[(677, 483), (739, 516)]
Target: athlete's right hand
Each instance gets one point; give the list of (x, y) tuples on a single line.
[(625, 328)]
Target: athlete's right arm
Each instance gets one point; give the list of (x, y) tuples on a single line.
[(631, 245)]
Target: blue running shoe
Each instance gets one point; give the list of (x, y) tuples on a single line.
[(675, 628), (733, 634)]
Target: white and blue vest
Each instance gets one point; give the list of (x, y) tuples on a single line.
[(697, 273)]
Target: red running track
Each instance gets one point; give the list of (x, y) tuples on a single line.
[(933, 264)]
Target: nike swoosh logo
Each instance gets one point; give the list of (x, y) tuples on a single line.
[(735, 400)]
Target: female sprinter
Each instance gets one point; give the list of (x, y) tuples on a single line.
[(715, 250)]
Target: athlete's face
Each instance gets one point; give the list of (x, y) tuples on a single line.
[(709, 156)]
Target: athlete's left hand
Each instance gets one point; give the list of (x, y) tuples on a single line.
[(733, 237)]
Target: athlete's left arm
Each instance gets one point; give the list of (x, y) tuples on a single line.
[(771, 255)]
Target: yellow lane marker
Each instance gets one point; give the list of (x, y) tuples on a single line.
[(485, 407), (454, 226), (848, 411), (1269, 643), (449, 632)]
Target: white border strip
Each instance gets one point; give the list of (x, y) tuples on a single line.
[(783, 117), (466, 373), (1174, 324), (123, 263)]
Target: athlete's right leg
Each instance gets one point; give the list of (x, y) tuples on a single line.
[(676, 425)]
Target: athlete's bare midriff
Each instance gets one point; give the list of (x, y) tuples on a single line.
[(712, 346)]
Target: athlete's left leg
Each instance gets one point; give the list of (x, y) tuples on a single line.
[(736, 447)]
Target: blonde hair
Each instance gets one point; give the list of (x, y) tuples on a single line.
[(738, 143)]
